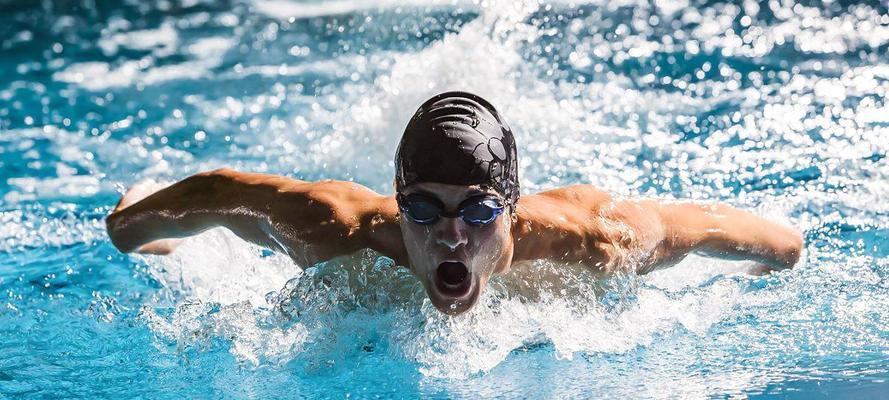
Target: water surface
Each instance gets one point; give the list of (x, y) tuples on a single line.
[(775, 107)]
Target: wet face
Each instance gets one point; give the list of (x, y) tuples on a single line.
[(452, 258)]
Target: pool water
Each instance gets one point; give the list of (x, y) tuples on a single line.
[(775, 107)]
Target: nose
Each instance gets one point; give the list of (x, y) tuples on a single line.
[(450, 232)]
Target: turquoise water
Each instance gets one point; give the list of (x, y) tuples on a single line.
[(774, 107)]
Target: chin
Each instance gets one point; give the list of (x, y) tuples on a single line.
[(454, 306)]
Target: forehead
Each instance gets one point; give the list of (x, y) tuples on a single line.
[(448, 194)]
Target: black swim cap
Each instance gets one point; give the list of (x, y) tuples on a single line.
[(458, 138)]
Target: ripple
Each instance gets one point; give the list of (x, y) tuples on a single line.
[(776, 107)]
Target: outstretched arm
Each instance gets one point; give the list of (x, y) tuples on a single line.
[(722, 231), (580, 223), (309, 221)]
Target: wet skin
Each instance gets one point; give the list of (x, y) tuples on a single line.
[(315, 221), (483, 250)]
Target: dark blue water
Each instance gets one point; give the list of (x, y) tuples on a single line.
[(775, 107)]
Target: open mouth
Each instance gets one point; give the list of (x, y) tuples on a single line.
[(453, 279)]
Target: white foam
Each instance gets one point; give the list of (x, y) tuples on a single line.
[(225, 289), (217, 267), (195, 324), (285, 9), (220, 283), (485, 58), (206, 54), (161, 41)]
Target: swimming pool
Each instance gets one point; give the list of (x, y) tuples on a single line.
[(775, 107)]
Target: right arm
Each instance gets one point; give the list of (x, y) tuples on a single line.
[(309, 221)]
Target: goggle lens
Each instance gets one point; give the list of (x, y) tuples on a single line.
[(482, 212), (475, 211), (422, 211)]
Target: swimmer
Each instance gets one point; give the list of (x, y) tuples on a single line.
[(456, 218)]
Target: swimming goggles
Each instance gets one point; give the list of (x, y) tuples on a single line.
[(425, 210)]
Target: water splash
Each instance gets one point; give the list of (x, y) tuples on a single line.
[(777, 108)]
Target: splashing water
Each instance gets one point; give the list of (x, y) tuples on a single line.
[(774, 107)]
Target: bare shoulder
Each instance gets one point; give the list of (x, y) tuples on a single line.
[(587, 225), (343, 190), (342, 217), (584, 196), (566, 224), (321, 219)]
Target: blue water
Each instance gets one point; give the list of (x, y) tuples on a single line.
[(775, 107)]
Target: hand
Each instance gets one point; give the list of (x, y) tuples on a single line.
[(759, 269), (160, 247), (134, 195)]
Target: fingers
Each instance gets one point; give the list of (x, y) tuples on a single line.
[(160, 247), (759, 269)]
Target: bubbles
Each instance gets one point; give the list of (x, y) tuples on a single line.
[(778, 108)]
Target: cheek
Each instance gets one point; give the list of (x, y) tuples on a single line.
[(414, 235), (416, 238), (491, 243)]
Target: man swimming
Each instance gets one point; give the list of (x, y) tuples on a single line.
[(457, 217)]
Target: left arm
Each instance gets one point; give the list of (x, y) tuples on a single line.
[(580, 223), (722, 231)]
